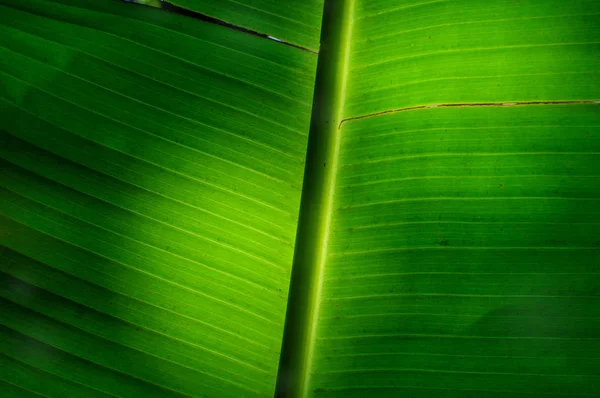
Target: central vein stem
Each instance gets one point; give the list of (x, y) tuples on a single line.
[(317, 202)]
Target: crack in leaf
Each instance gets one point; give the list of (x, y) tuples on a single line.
[(164, 5), (464, 105)]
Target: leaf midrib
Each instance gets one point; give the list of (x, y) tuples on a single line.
[(317, 201)]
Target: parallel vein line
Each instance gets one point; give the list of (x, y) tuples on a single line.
[(162, 279), (136, 325), (388, 180), (199, 180), (130, 238), (463, 128), (409, 336), (22, 387), (117, 178), (139, 270), (492, 48), (128, 375), (484, 21), (434, 222), (265, 261), (278, 65), (393, 9), (62, 377), (139, 73), (453, 355), (377, 296), (420, 387), (113, 291), (448, 315), (140, 160), (95, 335), (453, 248), (441, 198), (53, 267), (186, 231), (388, 274), (454, 372), (451, 78), (467, 154)]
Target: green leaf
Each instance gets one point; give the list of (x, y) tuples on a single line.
[(463, 256), (192, 209), (464, 244), (151, 175)]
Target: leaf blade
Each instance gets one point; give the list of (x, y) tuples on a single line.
[(146, 214)]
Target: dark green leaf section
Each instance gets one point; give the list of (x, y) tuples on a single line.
[(463, 258), (151, 175), (419, 52), (295, 21)]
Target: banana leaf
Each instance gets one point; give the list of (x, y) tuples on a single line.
[(338, 198)]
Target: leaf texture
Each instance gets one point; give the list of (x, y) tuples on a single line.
[(151, 174), (465, 240), (437, 52)]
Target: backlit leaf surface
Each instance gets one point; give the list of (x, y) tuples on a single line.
[(151, 174), (465, 240), (152, 178)]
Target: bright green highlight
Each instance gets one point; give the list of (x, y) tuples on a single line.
[(152, 167)]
